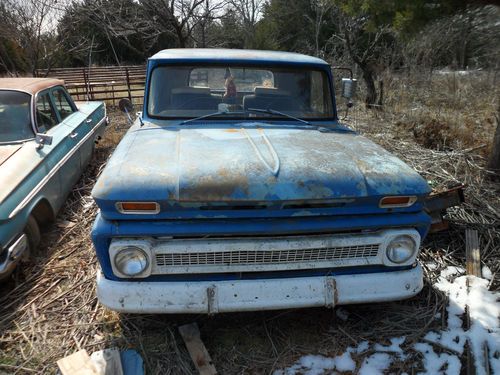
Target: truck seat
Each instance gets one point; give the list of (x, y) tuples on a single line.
[(268, 97), (194, 98)]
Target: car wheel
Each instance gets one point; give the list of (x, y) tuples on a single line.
[(32, 231)]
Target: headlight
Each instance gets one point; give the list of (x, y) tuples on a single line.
[(401, 248), (131, 261)]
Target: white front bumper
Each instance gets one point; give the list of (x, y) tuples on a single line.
[(251, 295)]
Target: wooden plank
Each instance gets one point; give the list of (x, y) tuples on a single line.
[(78, 363), (107, 361), (191, 335), (472, 253)]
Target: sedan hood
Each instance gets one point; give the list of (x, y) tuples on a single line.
[(190, 165), (6, 151)]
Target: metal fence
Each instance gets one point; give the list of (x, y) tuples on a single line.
[(107, 83)]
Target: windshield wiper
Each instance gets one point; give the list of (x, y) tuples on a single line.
[(257, 110), (208, 115), (277, 113)]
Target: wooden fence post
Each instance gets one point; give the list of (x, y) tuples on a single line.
[(128, 84), (85, 81)]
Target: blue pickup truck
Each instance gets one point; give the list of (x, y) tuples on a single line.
[(238, 189)]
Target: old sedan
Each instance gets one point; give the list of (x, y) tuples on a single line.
[(45, 143)]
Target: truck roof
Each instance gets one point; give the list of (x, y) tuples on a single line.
[(235, 56)]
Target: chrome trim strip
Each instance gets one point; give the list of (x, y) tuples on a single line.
[(53, 171)]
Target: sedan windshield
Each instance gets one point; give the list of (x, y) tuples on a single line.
[(231, 91), (15, 123)]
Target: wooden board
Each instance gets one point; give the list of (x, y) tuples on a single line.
[(472, 253), (191, 335), (78, 363)]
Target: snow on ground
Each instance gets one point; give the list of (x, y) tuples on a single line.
[(484, 311)]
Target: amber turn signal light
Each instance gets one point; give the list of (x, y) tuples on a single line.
[(395, 202), (138, 207)]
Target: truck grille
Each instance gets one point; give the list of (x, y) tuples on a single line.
[(181, 256), (267, 256)]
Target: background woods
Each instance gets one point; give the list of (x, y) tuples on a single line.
[(446, 51), (374, 36)]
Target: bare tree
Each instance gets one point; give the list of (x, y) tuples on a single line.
[(32, 24), (174, 16), (461, 40), (367, 50), (320, 9), (248, 11), (203, 19)]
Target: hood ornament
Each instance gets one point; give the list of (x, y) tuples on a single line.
[(276, 159)]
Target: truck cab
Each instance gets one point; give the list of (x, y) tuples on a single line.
[(237, 188)]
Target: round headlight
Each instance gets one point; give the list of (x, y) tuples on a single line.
[(131, 261), (401, 248)]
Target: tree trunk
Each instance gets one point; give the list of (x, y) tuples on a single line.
[(371, 91), (494, 161)]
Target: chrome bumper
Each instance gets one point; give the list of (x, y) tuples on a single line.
[(14, 253), (253, 295)]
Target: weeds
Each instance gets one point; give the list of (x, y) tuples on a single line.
[(443, 110)]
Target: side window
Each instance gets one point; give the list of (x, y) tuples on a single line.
[(45, 115), (62, 102), (317, 98)]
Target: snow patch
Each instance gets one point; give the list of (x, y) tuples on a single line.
[(462, 291), (487, 274)]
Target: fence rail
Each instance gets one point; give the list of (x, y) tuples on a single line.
[(107, 83)]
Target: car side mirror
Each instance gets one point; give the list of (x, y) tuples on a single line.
[(349, 87), (127, 107), (43, 139)]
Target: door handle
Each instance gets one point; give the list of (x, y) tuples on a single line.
[(73, 135), (88, 121)]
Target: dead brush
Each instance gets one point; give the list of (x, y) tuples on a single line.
[(444, 110)]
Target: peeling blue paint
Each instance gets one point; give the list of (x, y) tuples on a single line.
[(214, 165)]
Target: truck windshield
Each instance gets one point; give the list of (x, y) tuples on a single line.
[(194, 91), (15, 123)]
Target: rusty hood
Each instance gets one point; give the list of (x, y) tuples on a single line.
[(190, 165)]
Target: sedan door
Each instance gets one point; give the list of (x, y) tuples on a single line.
[(62, 154), (81, 123)]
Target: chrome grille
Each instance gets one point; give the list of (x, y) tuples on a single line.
[(241, 257)]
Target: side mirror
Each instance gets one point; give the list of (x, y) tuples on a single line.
[(42, 140), (348, 87), (126, 106)]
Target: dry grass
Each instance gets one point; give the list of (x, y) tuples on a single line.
[(50, 310), (444, 110)]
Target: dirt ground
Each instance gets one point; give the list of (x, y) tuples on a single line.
[(49, 309)]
